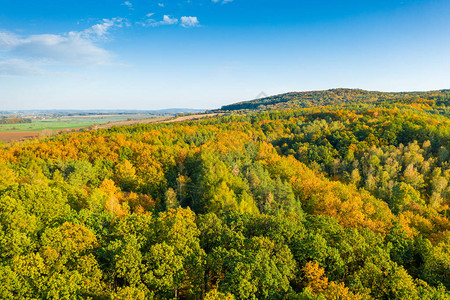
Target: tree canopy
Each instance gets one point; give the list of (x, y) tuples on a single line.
[(345, 201)]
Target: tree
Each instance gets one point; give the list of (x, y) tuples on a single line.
[(314, 277), (171, 199), (402, 195), (125, 176)]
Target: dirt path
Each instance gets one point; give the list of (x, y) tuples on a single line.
[(9, 136), (190, 118)]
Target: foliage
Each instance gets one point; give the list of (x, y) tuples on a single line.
[(337, 202)]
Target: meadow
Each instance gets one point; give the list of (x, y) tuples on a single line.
[(68, 122)]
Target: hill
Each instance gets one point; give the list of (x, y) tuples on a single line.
[(337, 97)]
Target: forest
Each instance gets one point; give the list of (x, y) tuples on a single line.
[(341, 199), (437, 100)]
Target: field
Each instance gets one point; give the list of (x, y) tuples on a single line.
[(53, 125), (48, 127), (68, 122)]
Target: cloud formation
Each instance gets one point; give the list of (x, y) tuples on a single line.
[(128, 3), (189, 22), (101, 29), (35, 54), (222, 1), (169, 20), (27, 54)]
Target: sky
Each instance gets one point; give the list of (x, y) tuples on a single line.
[(145, 54)]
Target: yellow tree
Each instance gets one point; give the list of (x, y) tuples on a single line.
[(314, 277)]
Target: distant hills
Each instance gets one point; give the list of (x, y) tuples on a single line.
[(337, 97), (79, 112)]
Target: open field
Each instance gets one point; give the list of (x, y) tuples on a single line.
[(68, 122), (55, 127)]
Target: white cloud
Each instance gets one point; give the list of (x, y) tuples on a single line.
[(129, 4), (189, 22), (167, 20), (222, 1), (8, 41), (101, 29), (161, 4), (72, 48), (28, 54)]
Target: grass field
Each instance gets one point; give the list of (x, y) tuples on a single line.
[(69, 122), (50, 127)]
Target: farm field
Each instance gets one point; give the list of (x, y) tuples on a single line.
[(68, 122), (50, 126)]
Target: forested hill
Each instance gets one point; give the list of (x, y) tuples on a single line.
[(339, 97)]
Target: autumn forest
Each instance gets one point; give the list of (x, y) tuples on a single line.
[(339, 194)]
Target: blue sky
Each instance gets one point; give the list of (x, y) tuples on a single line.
[(145, 54)]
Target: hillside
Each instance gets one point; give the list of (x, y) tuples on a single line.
[(338, 97), (330, 202)]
